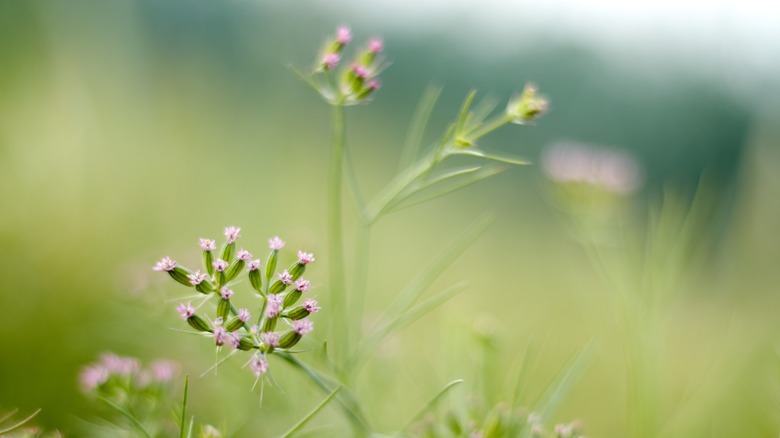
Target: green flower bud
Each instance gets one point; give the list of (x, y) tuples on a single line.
[(180, 274), (269, 325), (205, 287), (255, 280), (228, 251), (246, 344), (528, 106), (198, 323), (292, 297), (234, 324), (234, 269), (296, 270), (277, 287), (270, 266), (299, 312), (208, 260), (223, 308), (289, 339)]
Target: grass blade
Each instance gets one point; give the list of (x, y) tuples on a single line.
[(135, 422), (21, 423), (416, 131), (183, 419), (311, 414), (491, 156), (432, 403)]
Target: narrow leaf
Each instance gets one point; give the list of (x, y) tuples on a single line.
[(134, 421), (420, 120), (311, 414), (432, 403), (491, 156), (21, 423), (464, 111), (183, 418)]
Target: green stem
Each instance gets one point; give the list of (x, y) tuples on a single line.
[(487, 128), (359, 286), (335, 225)]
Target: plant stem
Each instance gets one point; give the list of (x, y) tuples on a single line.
[(359, 285), (335, 225)]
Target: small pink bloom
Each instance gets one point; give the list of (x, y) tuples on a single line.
[(255, 330), (373, 84), (197, 278), (304, 257), (311, 305), (226, 293), (343, 35), (164, 370), (123, 366), (258, 365), (233, 339), (271, 339), (166, 264), (331, 61), (254, 265), (275, 243), (360, 71), (244, 315), (232, 233), (218, 321), (302, 285), (274, 305), (285, 277), (303, 326), (376, 45), (220, 335), (244, 255), (208, 244), (185, 310), (220, 265), (93, 376)]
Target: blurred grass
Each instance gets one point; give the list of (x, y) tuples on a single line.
[(128, 130)]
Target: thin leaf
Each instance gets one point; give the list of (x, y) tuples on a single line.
[(305, 79), (491, 156), (463, 115), (430, 193), (560, 386), (432, 403), (483, 109), (416, 131), (311, 414), (21, 423), (8, 415), (346, 399), (135, 422), (183, 418)]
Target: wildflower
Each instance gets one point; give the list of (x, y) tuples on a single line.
[(360, 72), (610, 170), (208, 244), (302, 285), (233, 340), (376, 45), (220, 333), (164, 370), (343, 36), (244, 315), (232, 234), (305, 258), (255, 330), (285, 277), (185, 310), (258, 365), (122, 366), (275, 243), (245, 255), (226, 293), (166, 264), (330, 61), (197, 278), (220, 265), (254, 265), (303, 326), (271, 339), (273, 307), (311, 305), (373, 85), (93, 376)]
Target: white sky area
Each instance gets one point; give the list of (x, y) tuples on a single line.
[(736, 41)]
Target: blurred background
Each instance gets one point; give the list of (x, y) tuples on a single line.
[(128, 129)]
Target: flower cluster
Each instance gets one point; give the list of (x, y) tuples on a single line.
[(346, 83), (278, 292), (575, 163), (114, 373)]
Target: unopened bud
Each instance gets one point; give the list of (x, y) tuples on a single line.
[(234, 269), (289, 339), (198, 323), (181, 274), (228, 251), (292, 297), (528, 106), (223, 308), (254, 276)]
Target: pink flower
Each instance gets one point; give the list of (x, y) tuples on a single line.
[(331, 61), (164, 370), (274, 305), (197, 278), (166, 264), (254, 330), (244, 255), (271, 339), (376, 45), (311, 305), (373, 84), (233, 339), (220, 335), (123, 366), (304, 258), (303, 326), (343, 35), (185, 310), (232, 233), (302, 285), (285, 277), (258, 365), (275, 243), (244, 315), (220, 265), (93, 376), (360, 71), (226, 293), (254, 265), (208, 244)]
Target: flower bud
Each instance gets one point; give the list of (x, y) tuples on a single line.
[(228, 251), (246, 344), (205, 287), (208, 260), (296, 270), (223, 308), (233, 270), (180, 274), (292, 297), (300, 312), (289, 339), (270, 324), (270, 265), (528, 106), (198, 323), (255, 280)]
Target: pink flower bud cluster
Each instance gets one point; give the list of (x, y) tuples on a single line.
[(230, 327), (113, 371)]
